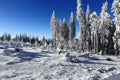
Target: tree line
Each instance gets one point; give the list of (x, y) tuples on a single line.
[(23, 39)]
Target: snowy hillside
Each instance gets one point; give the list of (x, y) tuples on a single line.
[(43, 64)]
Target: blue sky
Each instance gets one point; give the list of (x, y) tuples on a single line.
[(33, 16)]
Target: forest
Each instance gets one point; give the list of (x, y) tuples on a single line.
[(98, 34)]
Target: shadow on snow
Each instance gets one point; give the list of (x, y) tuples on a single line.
[(24, 56), (89, 60)]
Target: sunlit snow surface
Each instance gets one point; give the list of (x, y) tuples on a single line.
[(45, 64)]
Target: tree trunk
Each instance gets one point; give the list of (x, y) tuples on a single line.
[(116, 51), (96, 50)]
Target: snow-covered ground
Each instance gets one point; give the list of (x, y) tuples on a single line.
[(42, 64), (116, 77)]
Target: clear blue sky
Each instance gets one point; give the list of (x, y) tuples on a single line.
[(33, 16)]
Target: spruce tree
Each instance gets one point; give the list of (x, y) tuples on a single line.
[(82, 23), (88, 29), (116, 11), (72, 31), (54, 24), (94, 20), (105, 32)]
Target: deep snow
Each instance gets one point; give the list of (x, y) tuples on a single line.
[(43, 64)]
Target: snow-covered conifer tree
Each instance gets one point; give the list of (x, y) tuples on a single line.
[(82, 23), (54, 24), (104, 29), (8, 37), (88, 29), (116, 10), (60, 29), (87, 13), (72, 31), (16, 38), (94, 21), (65, 31), (5, 37)]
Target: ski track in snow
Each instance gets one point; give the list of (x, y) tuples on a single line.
[(38, 64)]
